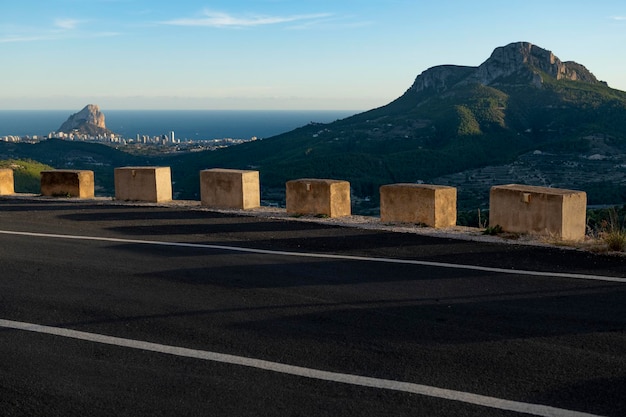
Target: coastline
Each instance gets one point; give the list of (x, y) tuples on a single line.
[(189, 124)]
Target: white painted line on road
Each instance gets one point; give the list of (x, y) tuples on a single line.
[(324, 256), (387, 384)]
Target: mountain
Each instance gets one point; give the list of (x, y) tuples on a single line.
[(88, 121), (522, 116), (520, 63), (521, 101)]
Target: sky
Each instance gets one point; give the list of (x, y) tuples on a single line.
[(277, 54)]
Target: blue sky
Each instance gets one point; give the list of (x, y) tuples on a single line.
[(276, 54)]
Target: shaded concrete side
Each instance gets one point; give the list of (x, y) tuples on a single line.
[(432, 205), (152, 184), (67, 183), (539, 210), (7, 182), (230, 188), (318, 197)]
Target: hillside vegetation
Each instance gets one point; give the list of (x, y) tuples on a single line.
[(26, 174), (59, 154), (454, 128)]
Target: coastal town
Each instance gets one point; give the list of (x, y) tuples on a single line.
[(166, 143), (88, 125)]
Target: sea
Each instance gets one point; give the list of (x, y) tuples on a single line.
[(186, 124)]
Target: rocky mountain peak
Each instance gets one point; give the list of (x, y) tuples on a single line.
[(441, 77), (90, 120), (525, 61), (514, 64)]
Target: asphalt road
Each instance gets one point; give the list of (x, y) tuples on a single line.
[(149, 312)]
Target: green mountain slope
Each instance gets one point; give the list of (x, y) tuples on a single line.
[(453, 119), (26, 174), (60, 154)]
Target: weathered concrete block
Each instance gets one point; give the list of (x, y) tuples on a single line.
[(432, 205), (539, 210), (153, 184), (67, 183), (230, 188), (318, 197), (7, 183)]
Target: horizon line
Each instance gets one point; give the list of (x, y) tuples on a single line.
[(192, 109)]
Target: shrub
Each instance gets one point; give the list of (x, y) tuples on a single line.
[(493, 230), (610, 226), (616, 240)]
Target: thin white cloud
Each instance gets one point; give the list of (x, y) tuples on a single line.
[(58, 29), (67, 24), (331, 23), (618, 18), (225, 20), (54, 36), (15, 39)]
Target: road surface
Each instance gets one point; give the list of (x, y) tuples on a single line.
[(155, 311)]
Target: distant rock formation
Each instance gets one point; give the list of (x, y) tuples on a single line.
[(516, 63), (88, 121)]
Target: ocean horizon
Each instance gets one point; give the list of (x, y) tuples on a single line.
[(186, 124)]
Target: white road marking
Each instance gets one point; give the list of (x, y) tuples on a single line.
[(387, 384), (323, 256)]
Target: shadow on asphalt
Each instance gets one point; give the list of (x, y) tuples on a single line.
[(308, 237), (305, 274), (52, 205), (458, 320), (225, 229), (256, 226)]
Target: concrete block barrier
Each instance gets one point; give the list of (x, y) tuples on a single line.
[(7, 183), (67, 183), (432, 205), (539, 210), (152, 184), (318, 197), (230, 188)]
